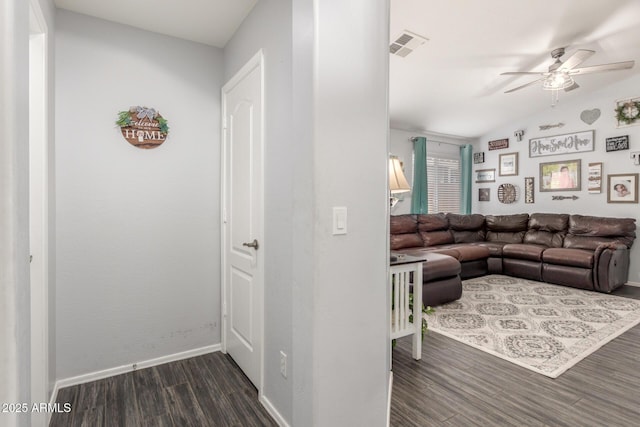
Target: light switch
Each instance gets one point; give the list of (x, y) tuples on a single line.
[(339, 220)]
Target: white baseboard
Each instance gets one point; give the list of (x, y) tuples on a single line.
[(636, 284), (106, 373), (273, 411)]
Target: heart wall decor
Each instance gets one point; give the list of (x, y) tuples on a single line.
[(590, 116)]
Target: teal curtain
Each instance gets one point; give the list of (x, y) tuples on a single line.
[(419, 191), (466, 154)]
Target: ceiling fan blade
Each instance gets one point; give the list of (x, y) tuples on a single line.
[(576, 59), (604, 67), (572, 87), (524, 85), (519, 73)]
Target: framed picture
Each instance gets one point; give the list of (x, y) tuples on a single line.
[(499, 144), (569, 143), (622, 188), (486, 175), (478, 157), (529, 186), (595, 178), (508, 164), (484, 194), (560, 176)]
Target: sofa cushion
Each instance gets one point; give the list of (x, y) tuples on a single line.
[(588, 232), (471, 252), (547, 229), (400, 224), (432, 222), (572, 257), (506, 228), (495, 248), (438, 266), (467, 228), (432, 238), (514, 223), (522, 251), (471, 222), (408, 240)]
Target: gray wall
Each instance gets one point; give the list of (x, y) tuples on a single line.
[(324, 110), (15, 328), (269, 27), (568, 112), (138, 274)]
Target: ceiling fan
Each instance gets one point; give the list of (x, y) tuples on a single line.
[(560, 74)]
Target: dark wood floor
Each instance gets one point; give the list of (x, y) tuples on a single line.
[(457, 385), (208, 390)]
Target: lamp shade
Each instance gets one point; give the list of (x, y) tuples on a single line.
[(397, 182)]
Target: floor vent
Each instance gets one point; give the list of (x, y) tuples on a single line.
[(406, 43)]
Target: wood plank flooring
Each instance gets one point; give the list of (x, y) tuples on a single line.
[(208, 390), (457, 385), (453, 385)]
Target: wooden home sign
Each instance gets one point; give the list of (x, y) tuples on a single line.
[(143, 127), (499, 144)]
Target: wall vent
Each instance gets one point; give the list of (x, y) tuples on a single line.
[(406, 43)]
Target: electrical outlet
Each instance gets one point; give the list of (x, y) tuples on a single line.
[(283, 364), (635, 155)]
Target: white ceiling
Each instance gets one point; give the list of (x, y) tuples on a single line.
[(452, 84), (211, 22)]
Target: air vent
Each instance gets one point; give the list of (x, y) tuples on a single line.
[(406, 43)]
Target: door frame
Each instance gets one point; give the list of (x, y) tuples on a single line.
[(39, 207), (257, 61)]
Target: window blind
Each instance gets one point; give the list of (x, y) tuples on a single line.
[(443, 184)]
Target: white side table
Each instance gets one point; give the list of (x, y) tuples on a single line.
[(404, 272)]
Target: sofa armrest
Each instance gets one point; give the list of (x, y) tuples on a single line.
[(611, 266)]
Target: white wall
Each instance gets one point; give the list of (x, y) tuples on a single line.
[(401, 146), (269, 27), (569, 114), (324, 109), (14, 214), (138, 272), (351, 296)]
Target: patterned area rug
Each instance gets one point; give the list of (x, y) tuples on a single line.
[(542, 327)]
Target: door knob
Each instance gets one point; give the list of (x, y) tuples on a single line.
[(253, 244)]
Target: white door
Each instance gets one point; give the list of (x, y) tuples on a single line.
[(242, 217)]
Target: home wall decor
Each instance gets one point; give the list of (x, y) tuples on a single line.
[(627, 112), (622, 188), (568, 143), (617, 143), (143, 127), (478, 157), (499, 144), (486, 175), (508, 164), (547, 127), (529, 189), (508, 193), (484, 194), (595, 178), (590, 116), (560, 176)]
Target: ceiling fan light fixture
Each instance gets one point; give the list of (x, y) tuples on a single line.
[(557, 80)]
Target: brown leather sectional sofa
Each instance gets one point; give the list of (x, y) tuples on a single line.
[(574, 250)]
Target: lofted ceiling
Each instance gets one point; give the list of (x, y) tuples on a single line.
[(452, 83), (211, 22)]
